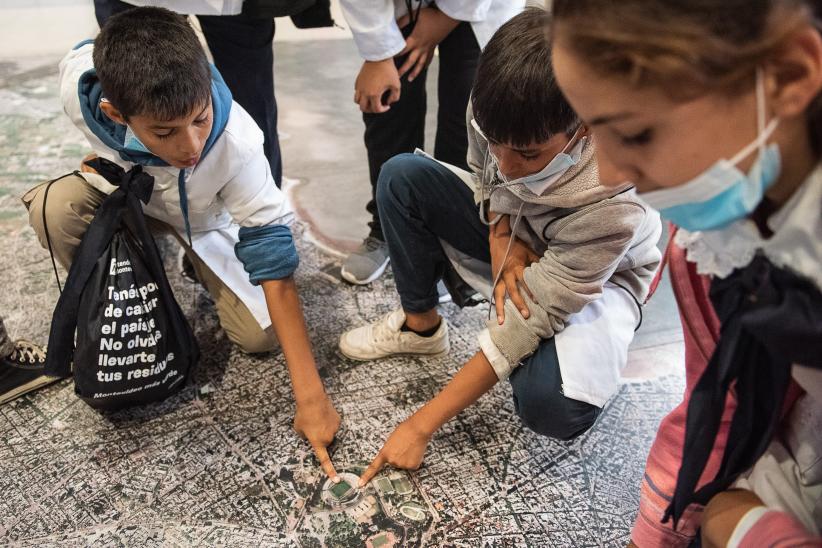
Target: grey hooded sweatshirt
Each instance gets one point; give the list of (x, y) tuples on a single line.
[(587, 234)]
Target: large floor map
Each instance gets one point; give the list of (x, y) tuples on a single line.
[(219, 463)]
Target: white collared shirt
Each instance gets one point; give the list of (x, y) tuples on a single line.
[(374, 22), (194, 7)]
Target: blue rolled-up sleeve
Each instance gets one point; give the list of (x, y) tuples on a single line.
[(267, 252)]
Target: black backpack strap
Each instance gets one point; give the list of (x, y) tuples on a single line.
[(46, 224)]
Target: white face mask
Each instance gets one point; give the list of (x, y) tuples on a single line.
[(539, 182)]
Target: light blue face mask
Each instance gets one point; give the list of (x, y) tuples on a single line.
[(723, 194), (131, 142), (559, 165)]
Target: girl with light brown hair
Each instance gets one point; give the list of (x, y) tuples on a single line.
[(712, 109)]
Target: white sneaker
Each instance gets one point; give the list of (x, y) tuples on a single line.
[(385, 338)]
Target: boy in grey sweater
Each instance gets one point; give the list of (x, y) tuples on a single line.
[(565, 260)]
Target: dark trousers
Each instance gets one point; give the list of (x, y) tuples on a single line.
[(420, 203), (402, 128), (243, 53)]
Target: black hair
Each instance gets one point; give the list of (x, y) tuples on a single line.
[(149, 61), (515, 98)]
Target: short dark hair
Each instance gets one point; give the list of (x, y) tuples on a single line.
[(149, 61), (515, 98)]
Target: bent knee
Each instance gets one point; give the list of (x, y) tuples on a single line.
[(57, 206), (398, 172), (556, 416), (401, 164), (256, 341)]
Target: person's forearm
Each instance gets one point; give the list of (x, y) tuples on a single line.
[(501, 228), (445, 23), (472, 381), (289, 326), (723, 513)]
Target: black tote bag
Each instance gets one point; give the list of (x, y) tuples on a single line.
[(133, 343)]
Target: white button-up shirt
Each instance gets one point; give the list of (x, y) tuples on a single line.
[(194, 7), (374, 22)]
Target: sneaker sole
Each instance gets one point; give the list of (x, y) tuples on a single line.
[(24, 389), (350, 278), (424, 354)]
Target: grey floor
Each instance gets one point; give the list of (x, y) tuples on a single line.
[(219, 463)]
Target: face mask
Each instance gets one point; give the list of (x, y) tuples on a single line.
[(723, 194), (551, 173), (131, 142)]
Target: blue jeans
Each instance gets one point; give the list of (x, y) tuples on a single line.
[(420, 203)]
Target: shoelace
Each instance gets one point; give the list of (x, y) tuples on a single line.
[(382, 331), (372, 244), (26, 351)]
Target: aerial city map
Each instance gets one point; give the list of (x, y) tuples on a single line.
[(220, 464)]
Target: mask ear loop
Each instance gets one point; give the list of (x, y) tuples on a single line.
[(760, 115), (517, 219), (493, 188), (482, 182), (483, 178), (765, 130), (566, 149), (760, 101), (484, 219)]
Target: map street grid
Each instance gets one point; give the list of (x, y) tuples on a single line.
[(219, 463)]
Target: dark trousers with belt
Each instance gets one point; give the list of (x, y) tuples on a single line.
[(243, 53), (422, 202), (402, 128)]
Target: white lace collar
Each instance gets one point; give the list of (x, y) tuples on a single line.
[(796, 243)]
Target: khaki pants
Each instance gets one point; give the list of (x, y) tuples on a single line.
[(71, 206), (6, 344)]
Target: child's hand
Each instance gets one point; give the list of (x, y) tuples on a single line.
[(404, 449), (432, 27), (86, 169), (513, 271), (318, 422), (376, 78)]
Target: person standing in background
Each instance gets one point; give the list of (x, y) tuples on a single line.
[(397, 39)]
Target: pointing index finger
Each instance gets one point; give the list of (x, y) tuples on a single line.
[(372, 470), (325, 462)]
